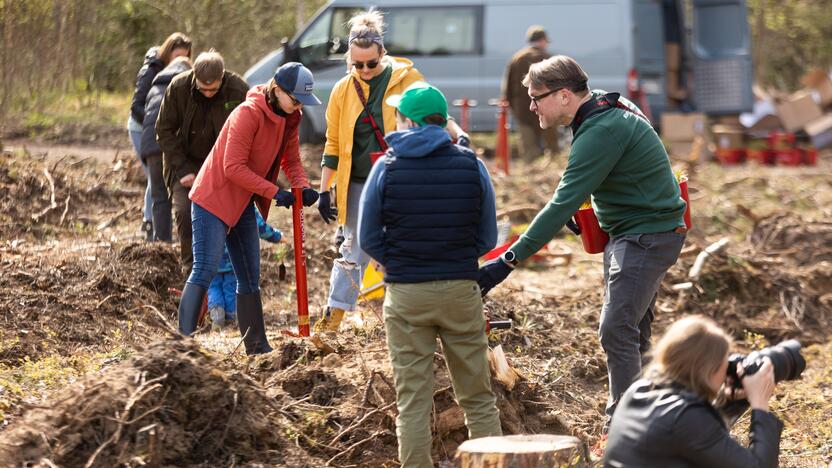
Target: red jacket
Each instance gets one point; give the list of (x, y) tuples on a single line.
[(244, 152)]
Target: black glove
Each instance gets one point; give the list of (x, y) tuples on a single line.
[(463, 140), (309, 196), (493, 273), (284, 198), (328, 213), (573, 226)]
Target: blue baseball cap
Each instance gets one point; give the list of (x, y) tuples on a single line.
[(297, 80)]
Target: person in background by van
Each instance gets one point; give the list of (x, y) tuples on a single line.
[(667, 419), (619, 161), (352, 135), (532, 137), (156, 59), (152, 154), (430, 263), (194, 109)]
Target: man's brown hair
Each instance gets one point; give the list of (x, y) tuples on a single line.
[(689, 353), (557, 72), (209, 67)]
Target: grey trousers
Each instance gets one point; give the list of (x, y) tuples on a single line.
[(634, 266), (161, 201)]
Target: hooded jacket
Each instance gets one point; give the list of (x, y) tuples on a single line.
[(149, 146), (144, 79), (427, 210), (238, 166), (343, 110), (176, 130), (670, 427)]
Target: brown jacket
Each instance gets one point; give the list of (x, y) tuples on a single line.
[(513, 90), (176, 129)]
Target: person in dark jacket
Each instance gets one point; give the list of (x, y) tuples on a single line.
[(152, 154), (532, 137), (427, 214), (194, 109), (667, 419), (156, 58)]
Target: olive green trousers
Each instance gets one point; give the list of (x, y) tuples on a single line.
[(415, 314)]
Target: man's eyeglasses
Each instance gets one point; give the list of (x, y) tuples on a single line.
[(539, 97), (294, 101), (370, 65), (208, 90)]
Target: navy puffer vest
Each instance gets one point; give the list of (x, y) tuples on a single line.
[(431, 212)]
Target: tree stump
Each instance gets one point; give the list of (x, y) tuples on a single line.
[(523, 451)]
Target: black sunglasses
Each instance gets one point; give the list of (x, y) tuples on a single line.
[(371, 64), (539, 97)]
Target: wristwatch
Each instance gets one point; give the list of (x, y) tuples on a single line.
[(509, 258)]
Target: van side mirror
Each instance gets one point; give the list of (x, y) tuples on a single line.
[(288, 50)]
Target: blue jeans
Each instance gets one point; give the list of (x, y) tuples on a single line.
[(347, 271), (222, 293), (147, 211), (211, 235), (634, 266)]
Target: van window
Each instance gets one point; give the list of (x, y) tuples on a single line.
[(433, 31), (314, 44)]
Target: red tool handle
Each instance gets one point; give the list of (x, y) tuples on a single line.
[(300, 262)]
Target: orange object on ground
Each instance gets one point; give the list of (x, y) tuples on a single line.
[(683, 187), (790, 157), (730, 156)]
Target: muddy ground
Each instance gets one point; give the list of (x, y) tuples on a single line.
[(91, 371)]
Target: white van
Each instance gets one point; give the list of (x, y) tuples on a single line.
[(463, 46)]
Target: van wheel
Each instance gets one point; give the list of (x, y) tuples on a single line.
[(308, 135)]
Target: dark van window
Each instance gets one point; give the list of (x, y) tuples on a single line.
[(433, 31)]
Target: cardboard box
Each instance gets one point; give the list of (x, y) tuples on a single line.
[(798, 110), (820, 131), (672, 56), (728, 136), (818, 80), (682, 127)]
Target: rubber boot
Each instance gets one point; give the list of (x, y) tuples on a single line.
[(217, 318), (189, 306), (250, 319)]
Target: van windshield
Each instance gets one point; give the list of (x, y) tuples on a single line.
[(408, 31)]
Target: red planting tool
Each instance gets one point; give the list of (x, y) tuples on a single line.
[(300, 266)]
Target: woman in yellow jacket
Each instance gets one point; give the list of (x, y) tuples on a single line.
[(351, 136)]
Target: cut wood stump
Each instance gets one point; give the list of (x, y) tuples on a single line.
[(523, 451)]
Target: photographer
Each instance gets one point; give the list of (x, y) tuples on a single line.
[(667, 418)]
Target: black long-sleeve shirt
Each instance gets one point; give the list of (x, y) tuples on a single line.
[(655, 426)]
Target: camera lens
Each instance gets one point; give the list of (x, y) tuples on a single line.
[(786, 358)]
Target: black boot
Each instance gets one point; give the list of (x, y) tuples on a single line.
[(189, 306), (250, 319)]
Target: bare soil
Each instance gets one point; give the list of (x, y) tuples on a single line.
[(77, 280)]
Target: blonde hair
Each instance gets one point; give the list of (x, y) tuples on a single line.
[(689, 353), (366, 29), (176, 40)]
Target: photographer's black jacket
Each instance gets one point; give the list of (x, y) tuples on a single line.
[(673, 427)]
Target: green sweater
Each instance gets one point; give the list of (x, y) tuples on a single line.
[(619, 160)]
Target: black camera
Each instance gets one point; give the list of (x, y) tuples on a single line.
[(785, 357)]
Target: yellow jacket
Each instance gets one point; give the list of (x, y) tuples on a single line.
[(342, 112)]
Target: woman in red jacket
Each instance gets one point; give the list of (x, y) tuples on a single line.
[(259, 138)]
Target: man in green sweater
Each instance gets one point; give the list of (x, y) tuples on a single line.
[(617, 159)]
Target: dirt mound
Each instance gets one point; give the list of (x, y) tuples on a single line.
[(777, 285), (69, 300), (344, 406), (41, 199), (71, 133), (803, 242), (171, 404)]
